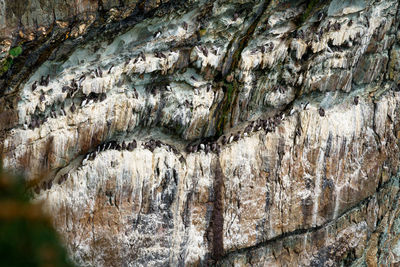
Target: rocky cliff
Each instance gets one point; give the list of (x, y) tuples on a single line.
[(246, 133)]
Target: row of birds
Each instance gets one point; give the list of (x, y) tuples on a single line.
[(114, 145), (37, 120), (44, 81), (72, 89), (110, 145), (268, 125)]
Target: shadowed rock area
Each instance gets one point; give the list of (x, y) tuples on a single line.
[(197, 133)]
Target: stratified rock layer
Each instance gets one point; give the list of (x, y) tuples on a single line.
[(260, 133)]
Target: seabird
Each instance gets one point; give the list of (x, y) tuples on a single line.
[(132, 145), (271, 46), (205, 51), (44, 185), (320, 16), (158, 143), (305, 105), (157, 34), (321, 112), (83, 102), (73, 108), (168, 88), (236, 137), (235, 16), (214, 147), (195, 148), (34, 86), (202, 147), (109, 70), (207, 149), (92, 155), (103, 96), (42, 98), (185, 25), (143, 56), (356, 98), (37, 189), (123, 146), (82, 78), (230, 139), (42, 81), (336, 26), (100, 72), (189, 148), (224, 140), (350, 23), (74, 85)]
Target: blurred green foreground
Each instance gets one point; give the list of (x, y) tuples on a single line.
[(27, 237)]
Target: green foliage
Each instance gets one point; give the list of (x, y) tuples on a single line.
[(229, 94), (16, 51), (5, 65)]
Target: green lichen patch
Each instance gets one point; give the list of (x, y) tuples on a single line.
[(311, 6), (16, 51)]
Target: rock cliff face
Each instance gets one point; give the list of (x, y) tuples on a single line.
[(246, 133)]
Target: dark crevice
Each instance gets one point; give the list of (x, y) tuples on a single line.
[(229, 65), (216, 227)]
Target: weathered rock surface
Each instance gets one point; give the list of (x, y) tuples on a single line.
[(258, 133)]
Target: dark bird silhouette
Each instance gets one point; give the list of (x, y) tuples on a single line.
[(321, 112), (34, 86), (356, 98)]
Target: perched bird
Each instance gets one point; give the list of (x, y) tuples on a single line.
[(157, 34), (230, 140), (109, 70), (34, 86), (189, 149), (356, 98), (185, 25), (72, 108), (47, 81), (224, 140), (321, 112), (350, 23), (103, 96), (237, 136)]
